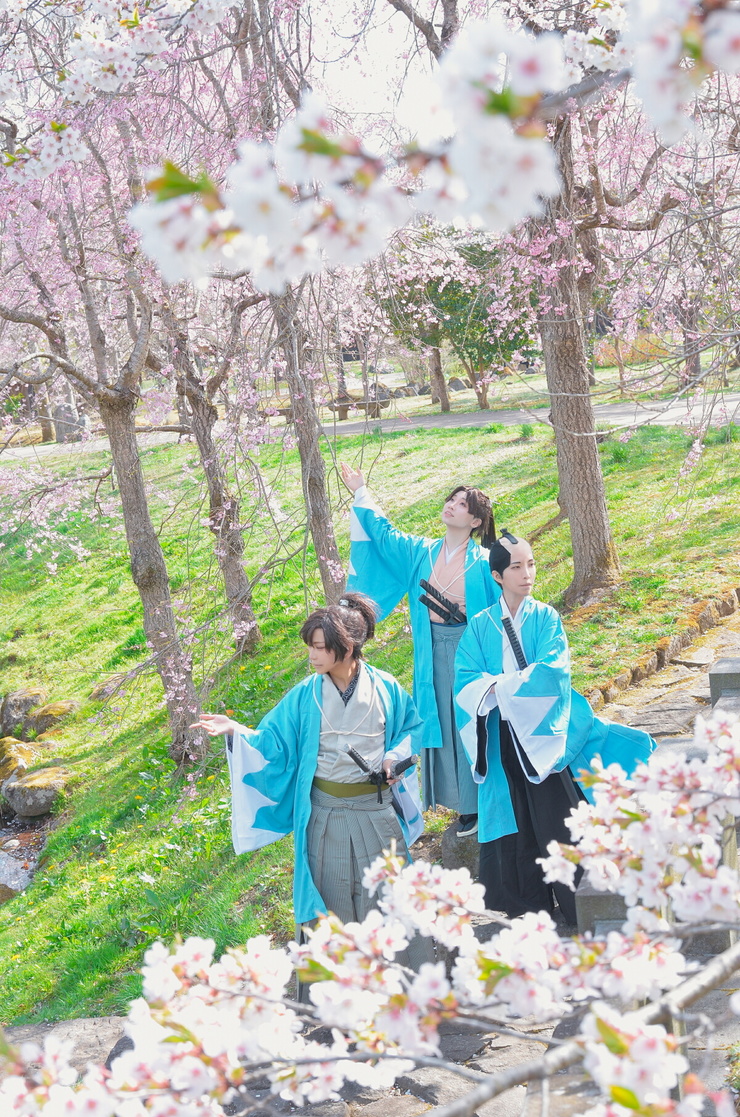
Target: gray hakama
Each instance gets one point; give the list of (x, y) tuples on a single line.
[(344, 837), (446, 776)]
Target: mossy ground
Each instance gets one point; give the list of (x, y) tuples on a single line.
[(140, 853)]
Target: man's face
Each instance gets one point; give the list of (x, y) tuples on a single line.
[(518, 578), (321, 658)]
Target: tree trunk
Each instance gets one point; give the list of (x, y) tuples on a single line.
[(439, 388), (308, 433), (342, 392), (183, 413), (66, 419), (362, 351), (595, 561), (688, 316), (150, 576), (194, 407), (480, 386), (45, 420), (223, 521)]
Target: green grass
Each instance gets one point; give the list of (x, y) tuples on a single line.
[(137, 853)]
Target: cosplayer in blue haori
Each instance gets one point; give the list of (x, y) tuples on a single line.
[(527, 735), (447, 580), (295, 773)]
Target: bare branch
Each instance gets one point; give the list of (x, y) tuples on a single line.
[(589, 89), (425, 26)]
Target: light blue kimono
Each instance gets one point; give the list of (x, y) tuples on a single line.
[(554, 724), (387, 564), (272, 770)]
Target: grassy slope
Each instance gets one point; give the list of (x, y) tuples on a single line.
[(137, 854)]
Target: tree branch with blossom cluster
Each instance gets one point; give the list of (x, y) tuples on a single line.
[(204, 1031)]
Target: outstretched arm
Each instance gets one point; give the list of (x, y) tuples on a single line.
[(215, 724)]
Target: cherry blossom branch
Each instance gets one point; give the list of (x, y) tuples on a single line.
[(697, 986)]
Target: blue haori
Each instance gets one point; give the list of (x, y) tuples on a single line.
[(387, 564), (272, 770), (554, 724)]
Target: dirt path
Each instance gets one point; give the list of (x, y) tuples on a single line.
[(721, 408)]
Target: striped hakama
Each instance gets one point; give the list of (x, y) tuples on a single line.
[(344, 837), (447, 779)]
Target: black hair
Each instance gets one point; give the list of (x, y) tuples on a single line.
[(499, 557), (346, 626), (479, 506)]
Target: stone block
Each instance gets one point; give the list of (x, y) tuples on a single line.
[(595, 698), (610, 692), (645, 667), (728, 702), (44, 717), (12, 873), (696, 657), (16, 706), (108, 686), (670, 717), (569, 1094), (34, 795), (460, 853), (688, 634), (400, 1105), (91, 1037), (15, 756), (724, 676), (707, 617), (667, 648), (727, 603), (598, 912)]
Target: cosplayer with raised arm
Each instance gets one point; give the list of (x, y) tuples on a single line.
[(447, 580), (296, 771), (527, 734)]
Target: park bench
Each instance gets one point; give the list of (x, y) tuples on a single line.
[(267, 411), (342, 406)]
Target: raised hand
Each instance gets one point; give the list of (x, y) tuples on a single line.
[(353, 478)]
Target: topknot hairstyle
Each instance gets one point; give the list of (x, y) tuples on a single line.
[(346, 626), (499, 557)]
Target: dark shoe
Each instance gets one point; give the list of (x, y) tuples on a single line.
[(467, 825)]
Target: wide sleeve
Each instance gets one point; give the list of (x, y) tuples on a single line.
[(403, 729), (381, 557), (263, 765), (477, 663)]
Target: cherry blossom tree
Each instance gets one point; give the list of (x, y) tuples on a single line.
[(440, 286)]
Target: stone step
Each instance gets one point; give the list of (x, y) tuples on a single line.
[(724, 676)]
